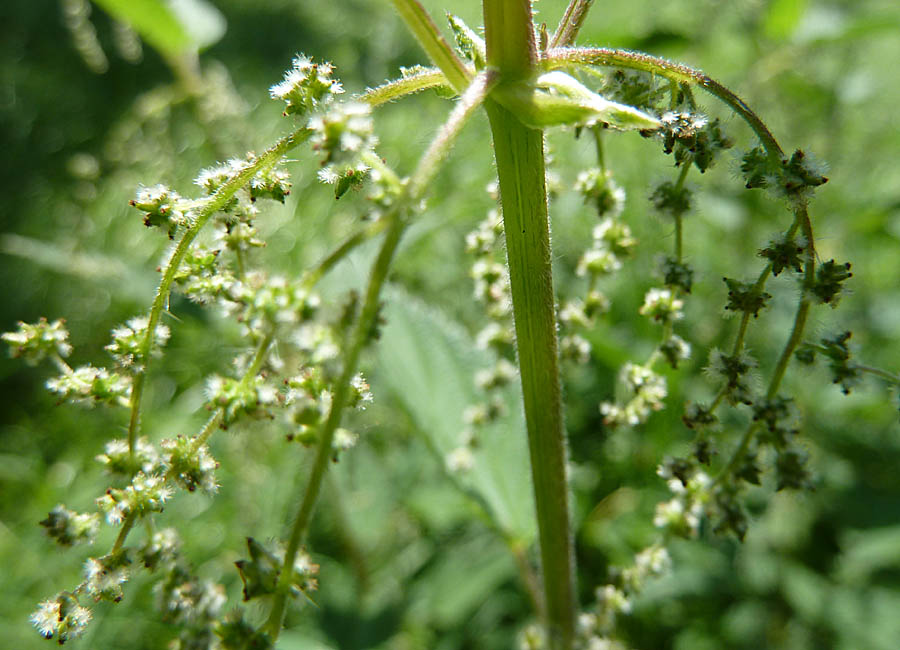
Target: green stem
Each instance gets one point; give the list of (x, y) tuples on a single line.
[(795, 338), (123, 533), (571, 23), (519, 152), (212, 423), (520, 167), (312, 277), (396, 223), (679, 217), (879, 372), (563, 57), (324, 451), (426, 32), (598, 141), (414, 83), (471, 99), (262, 351), (208, 208), (509, 38)]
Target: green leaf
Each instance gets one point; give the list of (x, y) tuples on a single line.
[(171, 28), (153, 20), (204, 24), (428, 363), (783, 17), (558, 99)]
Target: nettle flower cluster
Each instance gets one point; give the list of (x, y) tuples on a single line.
[(491, 288), (698, 493), (295, 387)]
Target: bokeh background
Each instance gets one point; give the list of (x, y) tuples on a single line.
[(88, 113)]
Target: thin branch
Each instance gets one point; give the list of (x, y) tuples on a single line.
[(414, 83), (397, 222), (570, 24), (208, 208), (426, 32), (562, 57)]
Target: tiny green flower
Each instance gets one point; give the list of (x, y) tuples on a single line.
[(599, 189), (188, 467), (745, 297), (91, 386), (117, 458), (671, 199), (162, 208), (104, 576), (69, 528), (675, 349), (735, 371), (127, 346), (662, 306), (61, 618), (161, 549), (146, 494), (615, 236), (35, 342), (239, 398), (306, 87), (829, 282), (784, 254), (677, 275)]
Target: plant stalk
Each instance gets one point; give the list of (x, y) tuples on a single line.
[(519, 152)]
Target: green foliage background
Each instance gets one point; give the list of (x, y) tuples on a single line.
[(407, 561)]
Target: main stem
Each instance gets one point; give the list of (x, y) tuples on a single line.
[(519, 153)]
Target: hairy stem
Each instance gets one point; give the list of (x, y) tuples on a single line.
[(426, 32), (519, 152), (679, 217), (207, 209), (414, 83), (520, 167), (324, 451), (795, 338), (397, 221), (571, 23), (563, 57)]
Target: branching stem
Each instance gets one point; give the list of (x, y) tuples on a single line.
[(571, 23), (397, 220), (206, 210), (563, 57), (426, 32)]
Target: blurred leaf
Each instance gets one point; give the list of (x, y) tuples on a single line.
[(868, 552), (205, 25), (462, 579), (783, 18), (170, 27), (428, 362)]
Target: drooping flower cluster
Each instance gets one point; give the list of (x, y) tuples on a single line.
[(491, 289), (90, 386), (643, 392)]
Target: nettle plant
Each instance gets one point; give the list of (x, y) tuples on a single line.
[(301, 365)]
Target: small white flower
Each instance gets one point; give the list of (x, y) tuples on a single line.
[(460, 459)]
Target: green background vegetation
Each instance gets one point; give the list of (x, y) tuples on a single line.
[(406, 561)]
